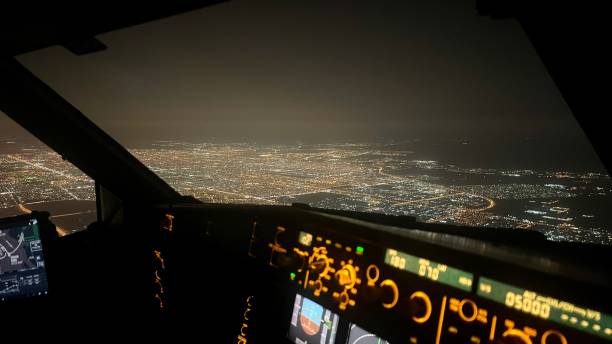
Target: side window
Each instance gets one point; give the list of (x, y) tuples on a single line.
[(34, 177)]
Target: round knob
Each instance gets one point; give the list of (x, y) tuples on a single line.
[(468, 311), (391, 293), (347, 275), (516, 336), (317, 266), (547, 337), (419, 307), (319, 263), (317, 287)]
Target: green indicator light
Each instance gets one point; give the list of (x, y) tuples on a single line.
[(359, 249), (292, 275)]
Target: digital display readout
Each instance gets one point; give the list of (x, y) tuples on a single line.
[(358, 335), (431, 270), (545, 307), (22, 267), (312, 323)]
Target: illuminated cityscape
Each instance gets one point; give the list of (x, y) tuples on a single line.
[(32, 177), (363, 177)]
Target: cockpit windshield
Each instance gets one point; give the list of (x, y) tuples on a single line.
[(423, 109)]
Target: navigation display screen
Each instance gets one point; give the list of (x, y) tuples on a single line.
[(22, 267), (311, 323), (358, 335)]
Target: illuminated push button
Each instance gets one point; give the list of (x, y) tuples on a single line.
[(516, 336), (372, 274), (391, 294), (420, 307), (343, 299), (372, 293), (468, 311), (547, 337), (317, 287)]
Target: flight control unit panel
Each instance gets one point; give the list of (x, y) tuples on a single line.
[(434, 302), (346, 281)]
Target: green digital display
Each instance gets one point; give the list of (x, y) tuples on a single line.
[(431, 270), (545, 307)]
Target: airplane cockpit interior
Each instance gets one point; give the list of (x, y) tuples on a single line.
[(266, 208)]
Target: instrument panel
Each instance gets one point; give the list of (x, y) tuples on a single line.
[(251, 274), (347, 281), (431, 301)]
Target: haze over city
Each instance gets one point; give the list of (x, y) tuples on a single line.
[(423, 109)]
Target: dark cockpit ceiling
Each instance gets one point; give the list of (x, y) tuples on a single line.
[(30, 25)]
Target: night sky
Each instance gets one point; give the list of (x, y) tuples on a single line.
[(321, 71)]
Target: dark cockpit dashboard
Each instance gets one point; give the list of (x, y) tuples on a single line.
[(339, 280), (271, 274)]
